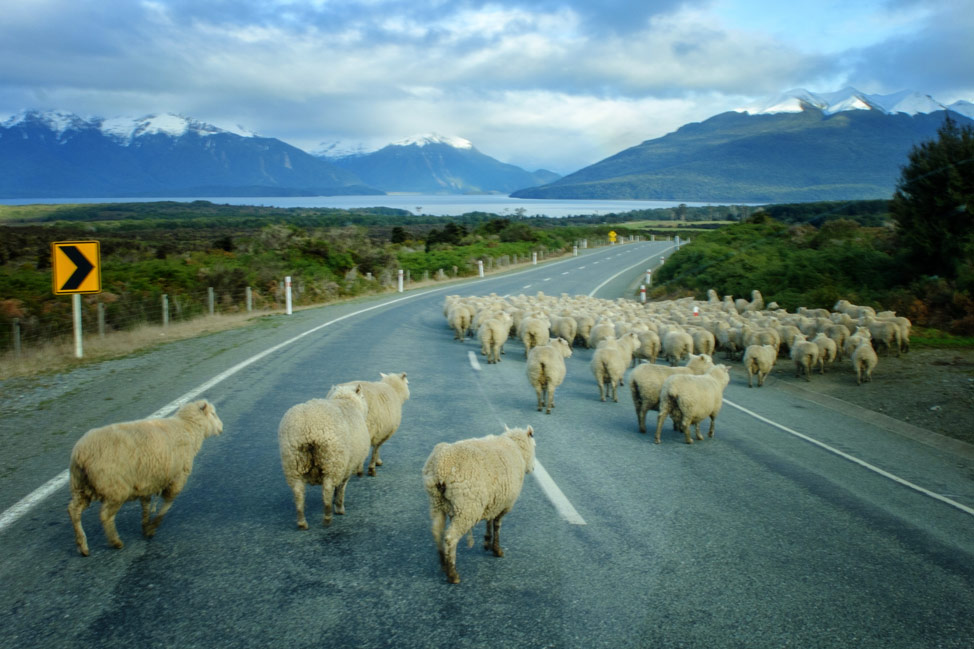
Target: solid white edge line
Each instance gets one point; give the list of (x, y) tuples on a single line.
[(474, 363), (556, 496), (25, 504), (866, 465)]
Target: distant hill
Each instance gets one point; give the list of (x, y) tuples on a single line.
[(53, 154), (432, 164), (802, 147)]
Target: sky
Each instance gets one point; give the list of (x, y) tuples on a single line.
[(555, 84)]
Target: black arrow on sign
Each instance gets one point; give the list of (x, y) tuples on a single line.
[(81, 272)]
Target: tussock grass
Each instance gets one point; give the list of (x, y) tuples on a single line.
[(58, 355)]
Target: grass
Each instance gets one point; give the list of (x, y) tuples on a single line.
[(58, 355), (667, 223), (923, 337), (32, 211)]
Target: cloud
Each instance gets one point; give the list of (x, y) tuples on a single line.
[(547, 83)]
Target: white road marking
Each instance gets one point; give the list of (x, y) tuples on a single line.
[(565, 273), (28, 502), (625, 270), (546, 279), (556, 496), (866, 465)]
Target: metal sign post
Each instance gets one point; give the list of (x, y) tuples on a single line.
[(76, 269)]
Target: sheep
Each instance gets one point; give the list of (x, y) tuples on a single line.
[(385, 399), (759, 359), (136, 460), (534, 332), (602, 331), (689, 399), (646, 381), (805, 355), (827, 351), (677, 345), (473, 480), (864, 359), (546, 370), (609, 367), (884, 333), (459, 318), (565, 327), (324, 441), (855, 340), (649, 345), (703, 341), (493, 333)]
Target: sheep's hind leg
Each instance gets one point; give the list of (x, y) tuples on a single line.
[(327, 494), (107, 515), (340, 498), (77, 505), (496, 545), (146, 512), (297, 488)]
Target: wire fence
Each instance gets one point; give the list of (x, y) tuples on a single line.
[(107, 313)]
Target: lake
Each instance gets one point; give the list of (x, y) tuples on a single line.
[(434, 204)]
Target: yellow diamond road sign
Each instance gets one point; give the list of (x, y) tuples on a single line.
[(76, 267), (612, 235)]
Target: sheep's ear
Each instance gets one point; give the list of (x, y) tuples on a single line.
[(530, 432), (204, 405), (358, 388), (383, 374), (403, 375)]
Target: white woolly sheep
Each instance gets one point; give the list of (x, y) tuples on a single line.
[(136, 460), (534, 332), (805, 355), (385, 399), (649, 346), (646, 381), (609, 367), (324, 441), (564, 327), (827, 351), (703, 341), (602, 331), (546, 370), (885, 334), (473, 480), (459, 318), (864, 359), (689, 399), (759, 359), (493, 333), (677, 345)]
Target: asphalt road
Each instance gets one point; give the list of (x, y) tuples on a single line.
[(796, 526)]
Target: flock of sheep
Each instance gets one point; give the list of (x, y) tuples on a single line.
[(325, 441)]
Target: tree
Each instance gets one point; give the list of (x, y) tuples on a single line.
[(399, 235), (933, 206)]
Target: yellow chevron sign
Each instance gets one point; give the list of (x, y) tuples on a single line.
[(76, 267)]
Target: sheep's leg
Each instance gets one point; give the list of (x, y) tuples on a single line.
[(489, 534), (340, 498), (77, 505), (539, 390), (696, 427), (615, 393), (713, 419), (327, 494), (496, 546), (438, 517), (685, 427), (458, 527), (601, 387), (641, 409), (374, 461), (146, 511), (167, 498), (663, 412), (297, 488), (551, 399), (107, 515)]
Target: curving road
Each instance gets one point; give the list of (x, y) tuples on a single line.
[(798, 525)]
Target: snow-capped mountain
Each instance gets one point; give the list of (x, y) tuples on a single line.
[(800, 146), (908, 102), (58, 154), (437, 164)]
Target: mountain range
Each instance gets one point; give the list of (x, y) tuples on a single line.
[(433, 164), (800, 146), (54, 154), (57, 155)]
